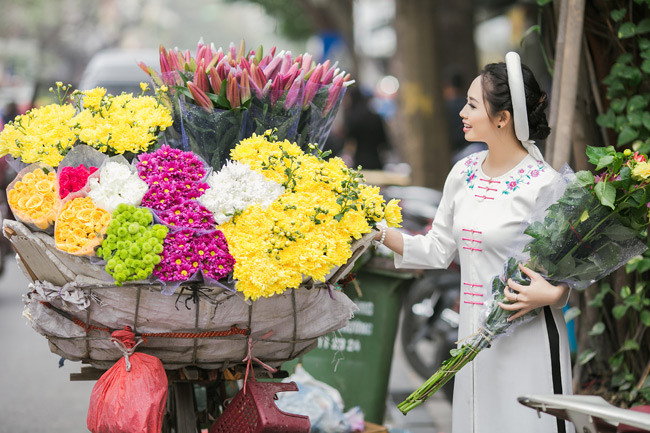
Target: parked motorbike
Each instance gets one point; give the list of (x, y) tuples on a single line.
[(430, 310), (591, 413)]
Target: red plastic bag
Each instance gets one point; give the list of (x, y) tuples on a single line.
[(131, 396)]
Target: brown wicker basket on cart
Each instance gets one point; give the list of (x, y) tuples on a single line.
[(75, 305)]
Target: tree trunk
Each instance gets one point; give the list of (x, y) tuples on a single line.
[(422, 115)]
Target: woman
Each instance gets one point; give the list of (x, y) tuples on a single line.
[(485, 199)]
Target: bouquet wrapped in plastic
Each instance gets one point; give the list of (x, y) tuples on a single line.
[(219, 97), (594, 226)]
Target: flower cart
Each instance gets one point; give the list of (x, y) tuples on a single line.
[(194, 259)]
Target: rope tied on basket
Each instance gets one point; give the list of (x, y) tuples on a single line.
[(125, 341), (250, 358)]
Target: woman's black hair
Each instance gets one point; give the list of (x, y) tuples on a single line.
[(496, 93)]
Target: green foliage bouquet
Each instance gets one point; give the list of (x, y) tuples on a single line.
[(597, 224)]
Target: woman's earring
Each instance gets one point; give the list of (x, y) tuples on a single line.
[(498, 126)]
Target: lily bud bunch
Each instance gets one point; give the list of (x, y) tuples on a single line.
[(229, 79)]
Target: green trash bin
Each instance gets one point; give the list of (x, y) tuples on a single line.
[(357, 359)]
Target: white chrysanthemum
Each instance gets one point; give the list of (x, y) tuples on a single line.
[(235, 187), (116, 184)]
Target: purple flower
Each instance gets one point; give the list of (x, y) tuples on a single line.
[(167, 163), (534, 173), (167, 194), (189, 214)]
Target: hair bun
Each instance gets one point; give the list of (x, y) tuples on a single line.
[(538, 124)]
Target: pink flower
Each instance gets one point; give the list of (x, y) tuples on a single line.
[(512, 184), (639, 157), (534, 173)]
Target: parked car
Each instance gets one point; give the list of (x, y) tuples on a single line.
[(118, 71)]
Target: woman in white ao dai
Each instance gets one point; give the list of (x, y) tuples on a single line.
[(485, 199)]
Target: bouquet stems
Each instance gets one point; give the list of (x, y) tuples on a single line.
[(463, 356)]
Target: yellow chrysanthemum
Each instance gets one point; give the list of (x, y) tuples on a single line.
[(393, 214), (41, 135)]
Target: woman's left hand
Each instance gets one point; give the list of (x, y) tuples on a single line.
[(539, 293)]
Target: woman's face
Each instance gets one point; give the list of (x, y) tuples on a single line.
[(477, 125)]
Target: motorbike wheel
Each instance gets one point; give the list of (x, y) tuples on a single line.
[(425, 337)]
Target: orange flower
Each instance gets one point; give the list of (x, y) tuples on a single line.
[(80, 226), (33, 199)]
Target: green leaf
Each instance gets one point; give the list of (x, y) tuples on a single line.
[(644, 44), (618, 105), (586, 356), (618, 14), (629, 345), (625, 292), (604, 162), (627, 30), (597, 329), (645, 317), (619, 311), (628, 133), (607, 119), (643, 26), (637, 102), (635, 118), (646, 120), (541, 3), (606, 193), (595, 153), (615, 361), (586, 178), (645, 66), (572, 313), (633, 75)]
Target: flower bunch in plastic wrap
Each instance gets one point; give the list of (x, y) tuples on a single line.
[(116, 183), (80, 226), (173, 176), (123, 124), (220, 96), (307, 231), (33, 196), (72, 179), (132, 245)]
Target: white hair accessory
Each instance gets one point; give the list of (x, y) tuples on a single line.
[(518, 97)]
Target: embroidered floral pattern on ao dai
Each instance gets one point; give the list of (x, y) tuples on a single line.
[(523, 176)]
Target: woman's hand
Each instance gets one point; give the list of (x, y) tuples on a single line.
[(539, 293)]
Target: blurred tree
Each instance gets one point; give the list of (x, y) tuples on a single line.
[(300, 19)]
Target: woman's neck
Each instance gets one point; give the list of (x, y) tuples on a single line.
[(503, 157)]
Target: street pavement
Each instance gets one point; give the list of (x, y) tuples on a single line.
[(36, 395)]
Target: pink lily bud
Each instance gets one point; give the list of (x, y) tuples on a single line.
[(326, 66), (293, 93), (306, 62), (241, 50), (276, 89), (164, 60), (215, 81), (199, 96), (232, 91), (232, 50), (221, 68), (274, 66), (298, 59), (201, 78), (290, 75), (188, 57), (245, 87), (216, 58), (312, 86), (286, 63), (199, 45), (333, 94), (245, 64), (257, 75), (329, 75), (267, 88)]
